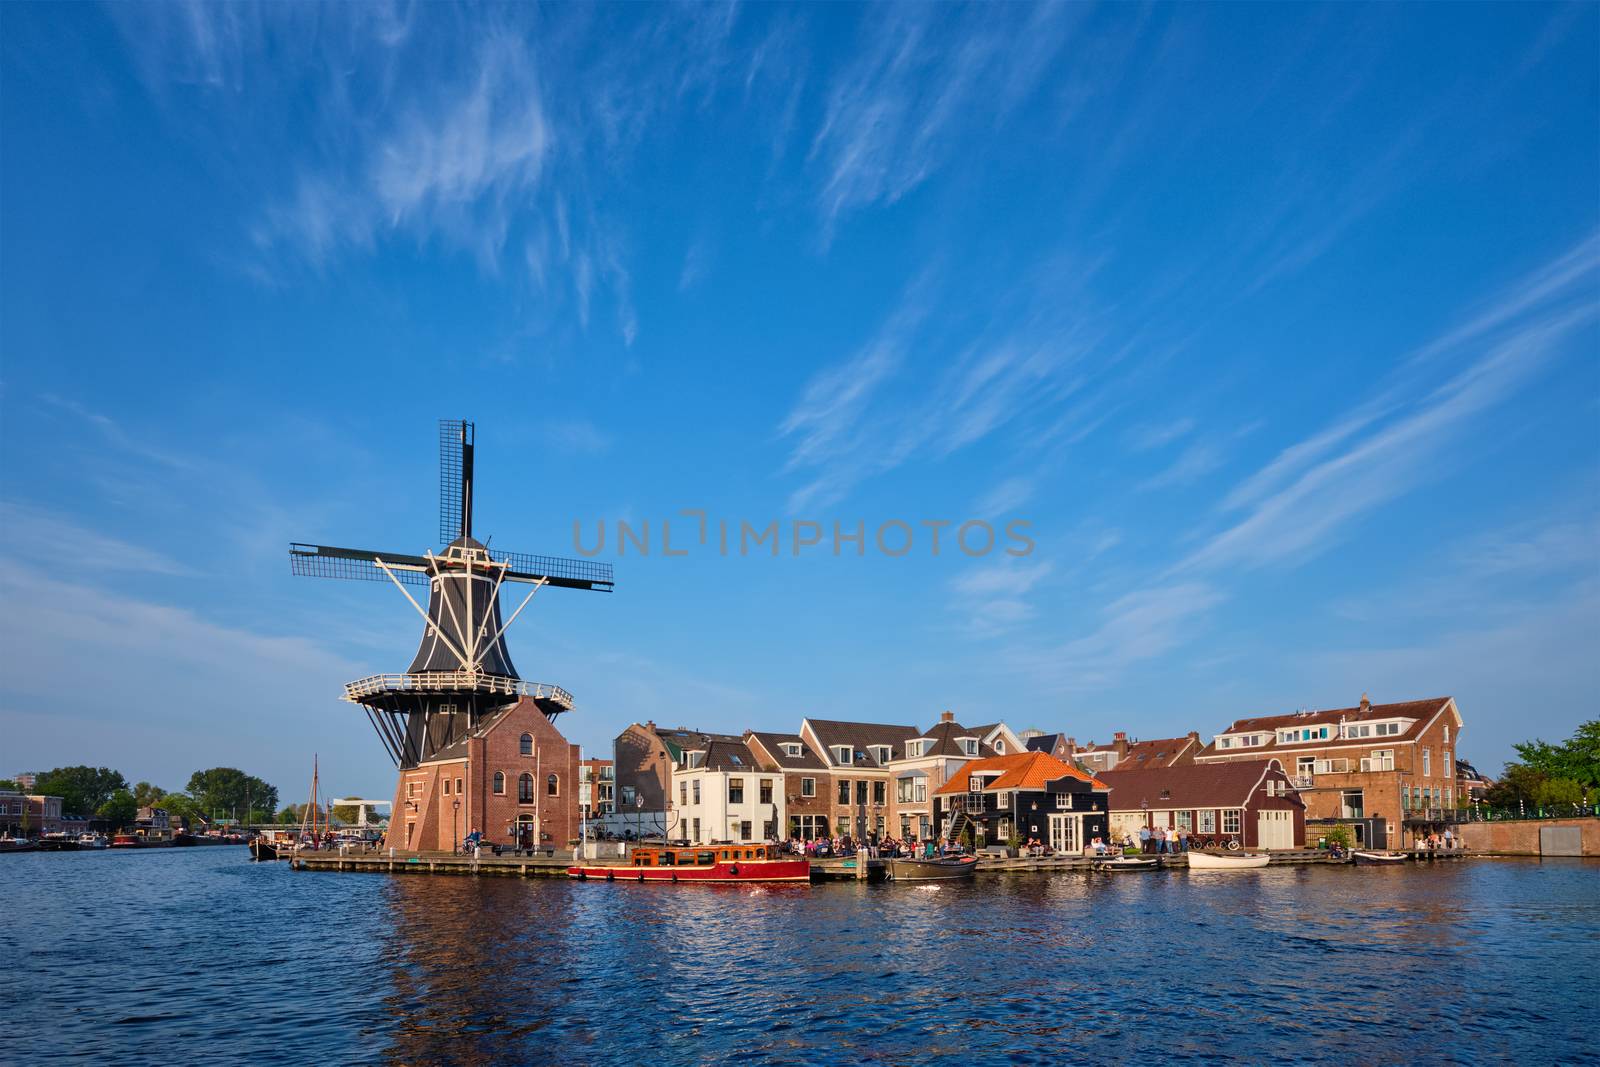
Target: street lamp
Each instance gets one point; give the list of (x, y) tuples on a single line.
[(455, 827)]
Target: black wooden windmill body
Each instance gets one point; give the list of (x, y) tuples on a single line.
[(462, 669)]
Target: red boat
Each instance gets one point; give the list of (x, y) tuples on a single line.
[(707, 863), (126, 841)]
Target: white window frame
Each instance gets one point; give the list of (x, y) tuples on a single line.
[(1233, 816), (1063, 801), (1208, 820), (808, 787), (842, 754)]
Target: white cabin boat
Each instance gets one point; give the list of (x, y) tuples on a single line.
[(1227, 861)]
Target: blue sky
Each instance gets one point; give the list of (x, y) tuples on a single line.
[(1277, 323)]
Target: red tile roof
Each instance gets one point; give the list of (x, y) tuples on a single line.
[(1196, 785), (1020, 770)]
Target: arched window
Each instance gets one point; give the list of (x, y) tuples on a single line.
[(525, 788), (527, 744), (553, 786), (499, 783)]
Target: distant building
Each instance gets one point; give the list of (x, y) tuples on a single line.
[(1251, 800), (597, 788), (923, 764), (1471, 783), (1057, 745), (1032, 795), (643, 757), (25, 780), (30, 815), (807, 784), (721, 794), (1387, 770), (153, 824), (857, 755), (1125, 754)]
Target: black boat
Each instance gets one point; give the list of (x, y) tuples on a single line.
[(941, 870)]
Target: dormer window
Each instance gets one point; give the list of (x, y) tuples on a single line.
[(791, 749), (696, 759), (882, 753), (969, 746), (1000, 746), (841, 754), (915, 748)]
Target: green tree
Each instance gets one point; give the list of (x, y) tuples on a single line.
[(182, 806), (146, 795), (226, 790), (290, 816), (7, 783), (119, 809), (82, 789), (1554, 791), (1518, 785), (1340, 835)]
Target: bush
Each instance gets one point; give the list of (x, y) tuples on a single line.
[(1339, 835)]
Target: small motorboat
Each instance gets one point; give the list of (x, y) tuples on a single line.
[(1128, 863), (92, 841), (1227, 861), (938, 870), (1365, 858), (127, 841), (16, 844)]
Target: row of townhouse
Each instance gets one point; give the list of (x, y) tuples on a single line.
[(1388, 770), (829, 778)]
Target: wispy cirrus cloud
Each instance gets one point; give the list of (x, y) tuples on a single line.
[(1386, 446), (895, 112), (1133, 628)]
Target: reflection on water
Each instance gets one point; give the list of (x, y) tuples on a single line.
[(198, 954)]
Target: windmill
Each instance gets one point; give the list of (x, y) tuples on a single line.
[(462, 670)]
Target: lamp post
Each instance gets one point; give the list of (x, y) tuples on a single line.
[(455, 826)]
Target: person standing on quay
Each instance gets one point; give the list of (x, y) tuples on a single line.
[(1144, 839)]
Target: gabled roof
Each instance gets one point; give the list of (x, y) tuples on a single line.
[(861, 738), (1019, 770), (1196, 785), (773, 744), (1044, 742), (724, 753), (944, 737), (1157, 753), (1422, 711)]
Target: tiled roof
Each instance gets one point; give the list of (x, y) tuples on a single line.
[(862, 737), (1158, 753), (944, 734), (1420, 710), (1019, 770), (773, 745), (1196, 785), (725, 753)]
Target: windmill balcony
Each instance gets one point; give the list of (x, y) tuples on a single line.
[(455, 682)]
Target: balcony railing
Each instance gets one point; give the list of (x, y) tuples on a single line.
[(455, 682)]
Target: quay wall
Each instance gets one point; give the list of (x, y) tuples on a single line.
[(1523, 838)]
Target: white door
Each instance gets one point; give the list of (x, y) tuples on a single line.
[(1275, 829), (1064, 836)]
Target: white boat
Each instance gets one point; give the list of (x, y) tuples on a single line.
[(1227, 861), (1368, 858), (89, 840), (1128, 863)]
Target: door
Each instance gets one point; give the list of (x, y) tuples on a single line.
[(1275, 829), (1064, 835)]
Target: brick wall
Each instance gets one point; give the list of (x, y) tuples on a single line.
[(1522, 838)]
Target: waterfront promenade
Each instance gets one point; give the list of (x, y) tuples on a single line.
[(544, 866)]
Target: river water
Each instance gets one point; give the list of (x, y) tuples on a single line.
[(199, 956)]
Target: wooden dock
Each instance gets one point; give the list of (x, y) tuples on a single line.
[(833, 869)]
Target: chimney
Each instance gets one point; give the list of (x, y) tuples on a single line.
[(1366, 705), (650, 725), (1072, 745), (947, 716), (1119, 742), (1194, 735)]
